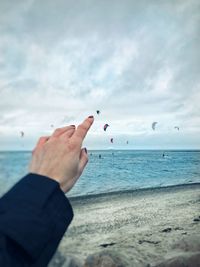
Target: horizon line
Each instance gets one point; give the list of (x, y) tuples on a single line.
[(123, 149)]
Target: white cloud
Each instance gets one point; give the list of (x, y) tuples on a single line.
[(135, 61)]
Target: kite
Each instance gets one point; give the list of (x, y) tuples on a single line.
[(176, 127), (98, 112), (22, 134), (154, 125), (105, 126), (111, 140), (52, 125), (127, 142)]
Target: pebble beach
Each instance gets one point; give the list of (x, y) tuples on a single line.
[(141, 227)]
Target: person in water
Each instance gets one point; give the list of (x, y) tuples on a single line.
[(35, 213)]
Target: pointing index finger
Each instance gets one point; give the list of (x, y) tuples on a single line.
[(82, 130)]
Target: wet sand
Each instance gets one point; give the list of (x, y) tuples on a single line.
[(141, 225)]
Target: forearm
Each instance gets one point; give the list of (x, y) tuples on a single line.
[(34, 215)]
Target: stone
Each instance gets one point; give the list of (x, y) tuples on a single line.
[(178, 228), (72, 262), (166, 230), (57, 260), (183, 260), (197, 219), (105, 259), (149, 241), (187, 251), (188, 243), (107, 244), (60, 260)]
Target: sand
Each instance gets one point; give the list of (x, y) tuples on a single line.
[(140, 225)]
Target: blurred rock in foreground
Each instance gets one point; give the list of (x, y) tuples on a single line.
[(185, 253), (105, 259)]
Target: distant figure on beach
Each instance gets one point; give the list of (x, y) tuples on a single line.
[(35, 213), (99, 156), (163, 155)]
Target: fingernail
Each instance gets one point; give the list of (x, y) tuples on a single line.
[(85, 150), (91, 117)]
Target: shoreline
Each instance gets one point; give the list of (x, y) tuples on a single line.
[(147, 190), (141, 225)]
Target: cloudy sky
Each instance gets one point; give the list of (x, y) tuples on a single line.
[(135, 61)]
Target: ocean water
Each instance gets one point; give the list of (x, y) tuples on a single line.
[(116, 170)]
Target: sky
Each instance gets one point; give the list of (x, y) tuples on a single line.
[(135, 61)]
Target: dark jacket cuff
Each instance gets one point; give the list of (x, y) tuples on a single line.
[(33, 211)]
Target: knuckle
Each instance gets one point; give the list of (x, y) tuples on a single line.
[(72, 146), (42, 138), (83, 127), (57, 131), (35, 151)]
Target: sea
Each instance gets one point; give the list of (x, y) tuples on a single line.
[(115, 170)]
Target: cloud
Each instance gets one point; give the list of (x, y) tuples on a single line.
[(135, 61)]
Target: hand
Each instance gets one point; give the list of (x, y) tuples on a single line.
[(60, 156)]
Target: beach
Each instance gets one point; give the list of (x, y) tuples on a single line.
[(140, 225)]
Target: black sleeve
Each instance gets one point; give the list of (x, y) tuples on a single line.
[(34, 216)]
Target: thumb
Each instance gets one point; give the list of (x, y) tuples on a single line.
[(83, 160), (82, 163)]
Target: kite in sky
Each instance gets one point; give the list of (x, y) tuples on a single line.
[(105, 126), (111, 140), (98, 112), (176, 127), (22, 134), (154, 125)]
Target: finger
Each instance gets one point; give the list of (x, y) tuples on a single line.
[(83, 160), (82, 130), (60, 131), (41, 142), (66, 135)]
